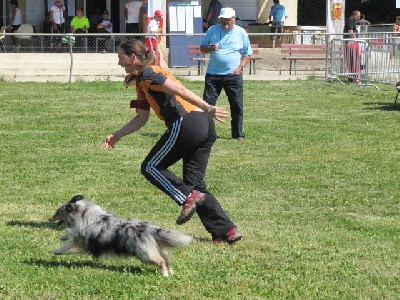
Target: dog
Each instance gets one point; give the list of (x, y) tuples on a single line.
[(90, 229)]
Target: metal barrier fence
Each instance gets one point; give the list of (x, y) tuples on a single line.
[(39, 56), (366, 61)]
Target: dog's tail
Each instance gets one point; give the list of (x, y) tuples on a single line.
[(172, 238)]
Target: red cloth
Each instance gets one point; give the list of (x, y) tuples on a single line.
[(151, 45), (353, 59), (141, 104)]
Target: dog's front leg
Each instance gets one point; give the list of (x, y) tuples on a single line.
[(73, 246), (65, 249)]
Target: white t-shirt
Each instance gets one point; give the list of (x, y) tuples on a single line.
[(133, 11), (153, 26), (18, 17), (58, 14)]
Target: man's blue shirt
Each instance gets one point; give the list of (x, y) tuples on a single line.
[(278, 12), (232, 45)]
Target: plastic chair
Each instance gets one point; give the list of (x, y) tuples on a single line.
[(2, 36), (25, 28)]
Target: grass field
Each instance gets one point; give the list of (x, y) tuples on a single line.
[(314, 189)]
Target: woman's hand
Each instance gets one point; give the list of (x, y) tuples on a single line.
[(110, 141), (218, 113)]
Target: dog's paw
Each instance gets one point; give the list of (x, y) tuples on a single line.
[(57, 252), (64, 237)]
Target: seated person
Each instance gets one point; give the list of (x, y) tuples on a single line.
[(105, 26), (79, 24), (46, 27)]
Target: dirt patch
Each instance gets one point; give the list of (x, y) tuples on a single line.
[(273, 61)]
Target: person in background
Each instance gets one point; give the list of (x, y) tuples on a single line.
[(143, 17), (363, 24), (350, 28), (105, 27), (396, 26), (153, 28), (396, 33), (277, 18), (46, 27), (189, 137), (213, 12), (79, 24), (352, 51), (57, 16), (15, 20), (230, 51), (95, 19), (131, 13)]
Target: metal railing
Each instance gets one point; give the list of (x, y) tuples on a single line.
[(41, 56), (366, 61)]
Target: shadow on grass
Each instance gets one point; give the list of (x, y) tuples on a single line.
[(384, 106), (81, 264), (32, 224), (202, 240)]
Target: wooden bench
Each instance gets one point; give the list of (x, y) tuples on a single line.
[(303, 52), (200, 58), (253, 59)]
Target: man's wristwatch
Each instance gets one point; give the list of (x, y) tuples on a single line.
[(242, 67)]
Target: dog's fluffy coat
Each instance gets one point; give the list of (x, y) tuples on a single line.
[(92, 230)]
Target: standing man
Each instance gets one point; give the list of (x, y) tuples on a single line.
[(131, 13), (15, 20), (277, 17), (350, 28), (57, 16), (213, 12), (230, 51)]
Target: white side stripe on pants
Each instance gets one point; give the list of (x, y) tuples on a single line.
[(151, 167)]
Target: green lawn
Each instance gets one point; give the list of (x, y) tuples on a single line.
[(314, 189)]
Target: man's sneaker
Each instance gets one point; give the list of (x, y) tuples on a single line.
[(231, 237), (190, 205)]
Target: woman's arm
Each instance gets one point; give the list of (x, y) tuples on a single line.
[(14, 12), (174, 88), (135, 124)]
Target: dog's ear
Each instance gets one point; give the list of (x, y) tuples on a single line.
[(76, 198), (70, 207)]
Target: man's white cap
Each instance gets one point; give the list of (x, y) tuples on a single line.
[(227, 13)]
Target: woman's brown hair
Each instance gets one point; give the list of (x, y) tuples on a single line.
[(145, 56)]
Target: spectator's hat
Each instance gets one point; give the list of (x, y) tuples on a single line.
[(227, 13), (158, 13), (105, 12)]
